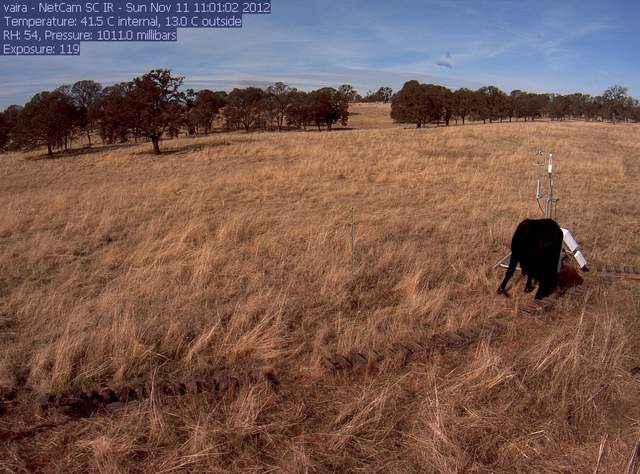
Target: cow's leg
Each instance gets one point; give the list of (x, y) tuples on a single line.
[(513, 263), (528, 288), (547, 286), (543, 290)]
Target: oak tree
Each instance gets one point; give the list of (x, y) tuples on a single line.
[(156, 99), (244, 107), (47, 119)]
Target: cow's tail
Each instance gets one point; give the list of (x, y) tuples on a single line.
[(513, 263)]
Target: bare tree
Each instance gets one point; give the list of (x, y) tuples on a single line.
[(348, 92), (384, 94)]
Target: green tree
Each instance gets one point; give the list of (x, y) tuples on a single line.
[(438, 103), (244, 107), (281, 99), (422, 103), (85, 95), (463, 100), (494, 103), (517, 104), (300, 110), (156, 99), (206, 107), (328, 107), (4, 132), (8, 120), (615, 98), (114, 114), (409, 104), (47, 119)]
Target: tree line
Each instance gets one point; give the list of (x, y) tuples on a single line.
[(423, 104), (155, 105), (384, 95)]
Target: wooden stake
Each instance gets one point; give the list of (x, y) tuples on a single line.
[(353, 238), (633, 467), (601, 453)]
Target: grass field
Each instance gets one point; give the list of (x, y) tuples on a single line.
[(234, 251)]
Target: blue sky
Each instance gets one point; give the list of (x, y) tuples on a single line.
[(543, 46)]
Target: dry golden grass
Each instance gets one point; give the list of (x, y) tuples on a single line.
[(234, 251), (368, 116)]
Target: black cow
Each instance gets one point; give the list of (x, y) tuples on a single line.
[(536, 246)]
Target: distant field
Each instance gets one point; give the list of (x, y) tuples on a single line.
[(365, 116), (233, 251)]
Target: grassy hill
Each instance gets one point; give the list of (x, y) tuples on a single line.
[(234, 252)]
